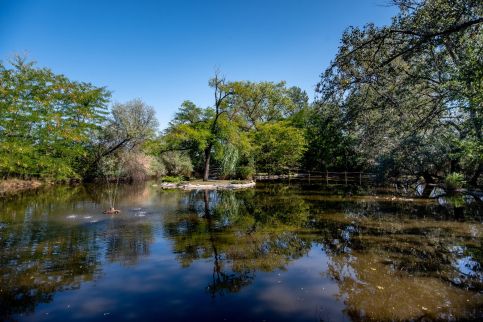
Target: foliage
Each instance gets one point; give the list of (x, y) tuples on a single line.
[(245, 172), (401, 99), (46, 122), (224, 133), (454, 181), (330, 144), (265, 101), (177, 164), (130, 125), (278, 147), (412, 80), (172, 179)]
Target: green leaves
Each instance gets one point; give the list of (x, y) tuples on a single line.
[(228, 130), (407, 82), (46, 121), (278, 147)]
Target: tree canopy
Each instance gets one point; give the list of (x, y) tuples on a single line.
[(228, 130), (46, 121), (413, 84)]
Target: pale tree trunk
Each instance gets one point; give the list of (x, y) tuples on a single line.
[(206, 172)]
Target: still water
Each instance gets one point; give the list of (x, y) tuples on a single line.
[(275, 253)]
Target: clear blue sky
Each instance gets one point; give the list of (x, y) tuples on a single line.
[(164, 52)]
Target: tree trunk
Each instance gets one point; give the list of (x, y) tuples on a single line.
[(207, 162), (427, 177)]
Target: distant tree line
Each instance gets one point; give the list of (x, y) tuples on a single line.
[(400, 100)]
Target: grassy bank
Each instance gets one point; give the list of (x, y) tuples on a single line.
[(16, 185)]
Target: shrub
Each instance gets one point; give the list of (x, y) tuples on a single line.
[(177, 164), (245, 172), (454, 181)]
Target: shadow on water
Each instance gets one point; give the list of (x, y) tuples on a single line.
[(278, 252)]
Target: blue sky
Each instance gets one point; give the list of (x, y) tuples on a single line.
[(164, 52)]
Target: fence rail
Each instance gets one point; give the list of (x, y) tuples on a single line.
[(327, 176)]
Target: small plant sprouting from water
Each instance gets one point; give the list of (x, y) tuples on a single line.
[(112, 170)]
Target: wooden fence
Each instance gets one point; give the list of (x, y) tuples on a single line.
[(346, 177)]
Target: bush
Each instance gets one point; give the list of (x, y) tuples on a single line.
[(245, 172), (177, 164), (454, 181), (156, 168)]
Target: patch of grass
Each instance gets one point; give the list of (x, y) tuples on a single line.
[(239, 181), (172, 179)]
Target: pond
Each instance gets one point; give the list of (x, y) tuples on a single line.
[(279, 252)]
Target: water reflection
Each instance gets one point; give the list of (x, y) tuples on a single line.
[(284, 251), (54, 240), (238, 235)]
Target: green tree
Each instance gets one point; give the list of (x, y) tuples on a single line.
[(278, 147), (130, 125), (412, 80), (46, 122), (330, 143), (224, 132), (265, 102)]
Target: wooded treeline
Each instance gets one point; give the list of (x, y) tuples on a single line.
[(401, 100)]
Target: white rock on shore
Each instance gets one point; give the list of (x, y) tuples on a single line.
[(213, 186)]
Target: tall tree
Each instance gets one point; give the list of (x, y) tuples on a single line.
[(222, 92), (223, 132), (46, 121), (119, 142), (265, 101), (406, 81), (201, 130), (278, 147)]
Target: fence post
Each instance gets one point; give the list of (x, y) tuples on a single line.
[(345, 173), (360, 178), (327, 177), (309, 176)]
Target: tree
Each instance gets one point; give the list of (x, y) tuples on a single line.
[(411, 78), (46, 122), (130, 125), (330, 143), (224, 133), (200, 130), (222, 92), (204, 131), (265, 101), (278, 147)]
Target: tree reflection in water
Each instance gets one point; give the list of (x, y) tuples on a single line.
[(387, 257), (391, 259), (49, 244), (239, 236)]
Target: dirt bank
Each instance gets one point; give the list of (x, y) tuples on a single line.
[(15, 185)]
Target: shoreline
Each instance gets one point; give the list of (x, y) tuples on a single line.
[(208, 185), (12, 186)]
